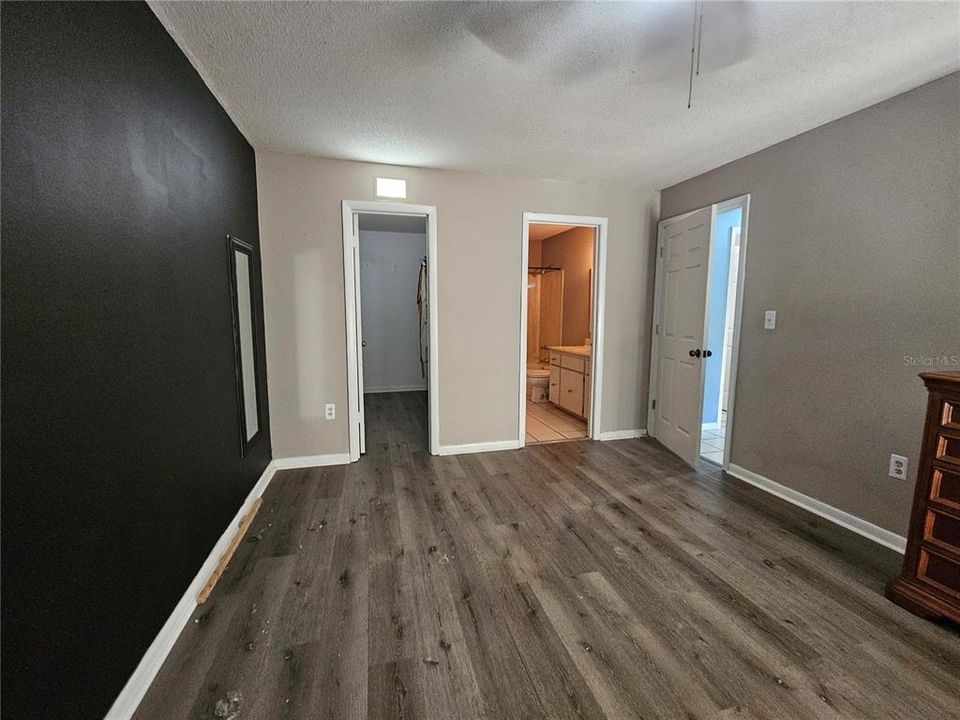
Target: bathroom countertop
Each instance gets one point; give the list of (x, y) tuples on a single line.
[(581, 350)]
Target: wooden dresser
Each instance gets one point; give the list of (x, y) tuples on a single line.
[(929, 584)]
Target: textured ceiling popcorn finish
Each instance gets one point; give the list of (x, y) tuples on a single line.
[(567, 91)]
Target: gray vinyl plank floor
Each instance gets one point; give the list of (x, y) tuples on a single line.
[(566, 580)]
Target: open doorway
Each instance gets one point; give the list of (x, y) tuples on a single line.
[(696, 337), (390, 287), (561, 320), (721, 304)]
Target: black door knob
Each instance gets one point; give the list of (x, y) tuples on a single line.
[(695, 353), (707, 353)]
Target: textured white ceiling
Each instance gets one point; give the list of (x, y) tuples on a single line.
[(570, 91)]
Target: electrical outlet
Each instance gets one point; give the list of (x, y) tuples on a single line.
[(330, 411), (898, 467), (770, 320)]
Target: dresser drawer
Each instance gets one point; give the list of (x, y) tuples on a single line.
[(945, 487), (572, 362), (950, 414), (948, 448), (939, 571), (942, 530), (554, 358)]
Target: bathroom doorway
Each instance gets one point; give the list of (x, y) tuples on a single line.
[(390, 286), (563, 260)]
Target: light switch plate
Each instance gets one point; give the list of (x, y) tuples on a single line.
[(330, 411), (770, 320)]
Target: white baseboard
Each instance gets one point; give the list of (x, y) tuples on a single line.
[(622, 434), (395, 388), (818, 507), (305, 461), (138, 684), (478, 447)]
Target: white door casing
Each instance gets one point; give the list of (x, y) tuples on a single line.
[(360, 343), (729, 320), (686, 255), (350, 209)]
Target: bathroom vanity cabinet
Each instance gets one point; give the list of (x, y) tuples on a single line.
[(570, 384)]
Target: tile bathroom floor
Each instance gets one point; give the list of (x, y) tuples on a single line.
[(548, 423), (712, 440)]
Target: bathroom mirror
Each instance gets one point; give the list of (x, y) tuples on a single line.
[(241, 282)]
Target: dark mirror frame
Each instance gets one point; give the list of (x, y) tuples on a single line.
[(235, 245)]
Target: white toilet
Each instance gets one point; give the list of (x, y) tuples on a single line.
[(538, 383)]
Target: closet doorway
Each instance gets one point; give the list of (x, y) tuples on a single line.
[(389, 271), (563, 260)]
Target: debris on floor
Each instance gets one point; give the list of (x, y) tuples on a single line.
[(430, 661), (228, 708)]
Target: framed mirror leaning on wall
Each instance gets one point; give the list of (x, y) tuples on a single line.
[(241, 284)]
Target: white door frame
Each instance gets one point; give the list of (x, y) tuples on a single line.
[(742, 201), (598, 293), (350, 293)]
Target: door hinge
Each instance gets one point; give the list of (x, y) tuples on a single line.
[(661, 251), (657, 331), (654, 405)]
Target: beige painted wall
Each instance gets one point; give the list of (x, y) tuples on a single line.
[(573, 251), (854, 239), (479, 229)]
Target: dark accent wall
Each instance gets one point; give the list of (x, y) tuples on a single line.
[(121, 465)]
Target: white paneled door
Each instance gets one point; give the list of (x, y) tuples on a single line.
[(686, 257)]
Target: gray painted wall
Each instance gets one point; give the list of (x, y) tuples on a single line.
[(854, 239), (389, 270)]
